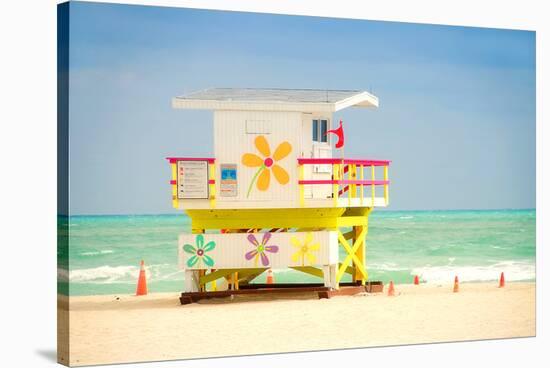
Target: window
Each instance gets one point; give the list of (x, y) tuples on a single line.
[(315, 130), (324, 136), (320, 127)]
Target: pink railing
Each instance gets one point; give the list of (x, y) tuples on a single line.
[(174, 160), (211, 177), (347, 177), (321, 161)]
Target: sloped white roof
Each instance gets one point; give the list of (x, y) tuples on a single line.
[(273, 99)]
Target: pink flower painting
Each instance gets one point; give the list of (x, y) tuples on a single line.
[(261, 249)]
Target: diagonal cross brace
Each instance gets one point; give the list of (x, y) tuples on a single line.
[(351, 254)]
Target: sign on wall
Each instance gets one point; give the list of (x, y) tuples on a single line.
[(192, 179), (228, 180), (257, 250)]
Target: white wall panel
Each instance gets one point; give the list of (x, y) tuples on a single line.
[(231, 142), (229, 250)]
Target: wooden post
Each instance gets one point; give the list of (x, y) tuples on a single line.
[(326, 275), (333, 272), (175, 202), (386, 186), (236, 281), (360, 254), (335, 176), (361, 176), (353, 174), (301, 174), (214, 283), (329, 276), (201, 273), (373, 187), (191, 282), (212, 186), (353, 239)]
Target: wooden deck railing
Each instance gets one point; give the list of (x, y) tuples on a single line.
[(211, 177), (348, 175)]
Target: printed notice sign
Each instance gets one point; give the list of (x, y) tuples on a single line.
[(192, 179), (228, 182)]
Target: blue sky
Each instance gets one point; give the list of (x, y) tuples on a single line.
[(456, 116)]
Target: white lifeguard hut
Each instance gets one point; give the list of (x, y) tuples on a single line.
[(276, 193)]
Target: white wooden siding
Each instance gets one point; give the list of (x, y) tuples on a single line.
[(307, 150), (231, 142), (230, 250)]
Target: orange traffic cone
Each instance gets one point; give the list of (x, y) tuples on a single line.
[(501, 283), (455, 287), (391, 289), (142, 281), (416, 281), (269, 279)]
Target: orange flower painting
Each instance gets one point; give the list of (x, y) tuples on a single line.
[(267, 163)]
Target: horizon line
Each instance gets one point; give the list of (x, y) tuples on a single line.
[(383, 210)]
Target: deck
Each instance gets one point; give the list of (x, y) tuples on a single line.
[(322, 183)]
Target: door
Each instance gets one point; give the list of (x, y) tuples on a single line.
[(316, 144)]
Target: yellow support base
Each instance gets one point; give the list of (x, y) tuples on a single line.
[(292, 219)]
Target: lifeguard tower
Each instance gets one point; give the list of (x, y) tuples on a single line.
[(276, 194)]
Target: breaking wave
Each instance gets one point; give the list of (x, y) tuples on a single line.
[(514, 271)]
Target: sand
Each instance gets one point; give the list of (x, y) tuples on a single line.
[(124, 328)]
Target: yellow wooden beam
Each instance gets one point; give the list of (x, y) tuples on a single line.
[(351, 256), (349, 235), (175, 202), (201, 273), (212, 187), (272, 222), (263, 223), (360, 253), (343, 266), (309, 270), (386, 187), (245, 273), (305, 229), (350, 270), (301, 175), (349, 221), (353, 174), (361, 176), (236, 281), (290, 218), (214, 276), (335, 187), (271, 212), (218, 274), (373, 187), (247, 276)]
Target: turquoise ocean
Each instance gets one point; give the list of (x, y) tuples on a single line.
[(105, 251)]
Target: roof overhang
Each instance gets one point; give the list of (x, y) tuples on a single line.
[(202, 100)]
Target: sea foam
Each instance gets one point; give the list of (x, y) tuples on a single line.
[(96, 253), (104, 274), (120, 274), (513, 271)]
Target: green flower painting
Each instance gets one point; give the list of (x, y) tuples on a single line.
[(198, 252)]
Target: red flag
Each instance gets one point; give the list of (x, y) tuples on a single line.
[(340, 133)]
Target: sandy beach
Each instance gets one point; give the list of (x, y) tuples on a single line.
[(124, 328)]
